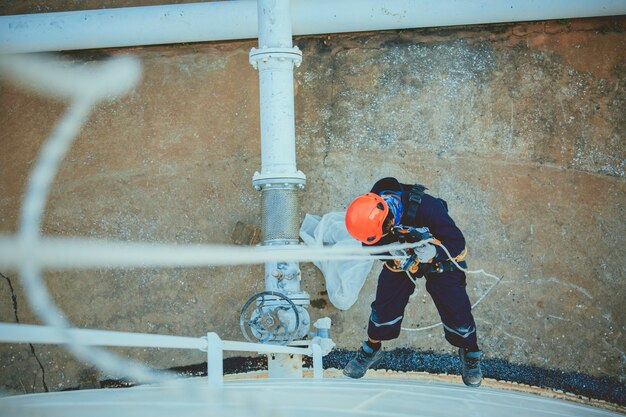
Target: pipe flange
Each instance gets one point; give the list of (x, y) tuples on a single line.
[(302, 302), (296, 181), (280, 54), (280, 242)]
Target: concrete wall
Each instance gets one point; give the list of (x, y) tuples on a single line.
[(521, 128)]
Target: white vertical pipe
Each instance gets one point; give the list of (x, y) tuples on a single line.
[(274, 23), (275, 62), (279, 178), (278, 143), (215, 360), (318, 368)]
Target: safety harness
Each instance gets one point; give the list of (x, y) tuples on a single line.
[(415, 200)]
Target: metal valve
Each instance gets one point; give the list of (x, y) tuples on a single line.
[(275, 319)]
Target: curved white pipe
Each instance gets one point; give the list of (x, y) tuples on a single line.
[(225, 20)]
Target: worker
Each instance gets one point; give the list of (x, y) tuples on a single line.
[(393, 212)]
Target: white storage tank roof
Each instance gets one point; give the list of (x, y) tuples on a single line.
[(296, 397)]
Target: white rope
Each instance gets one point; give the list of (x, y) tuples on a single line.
[(479, 271), (481, 298), (65, 253)]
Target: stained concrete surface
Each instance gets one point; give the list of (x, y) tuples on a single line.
[(519, 127)]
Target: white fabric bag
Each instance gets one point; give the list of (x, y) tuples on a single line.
[(344, 279)]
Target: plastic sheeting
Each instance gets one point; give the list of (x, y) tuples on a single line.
[(344, 279)]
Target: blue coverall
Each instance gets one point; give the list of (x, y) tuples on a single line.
[(447, 289)]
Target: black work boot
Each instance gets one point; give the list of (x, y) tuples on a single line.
[(362, 361), (470, 363)]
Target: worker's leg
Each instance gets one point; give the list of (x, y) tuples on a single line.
[(392, 296), (447, 290)]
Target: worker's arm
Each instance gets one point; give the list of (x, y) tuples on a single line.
[(436, 218)]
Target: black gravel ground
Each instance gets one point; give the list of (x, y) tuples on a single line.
[(600, 388)]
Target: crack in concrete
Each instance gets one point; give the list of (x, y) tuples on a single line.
[(534, 164), (32, 348)]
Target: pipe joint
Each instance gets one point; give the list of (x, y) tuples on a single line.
[(266, 55), (280, 242), (294, 181)]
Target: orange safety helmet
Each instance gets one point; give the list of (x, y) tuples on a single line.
[(365, 218)]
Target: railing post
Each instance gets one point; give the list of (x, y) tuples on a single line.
[(215, 360), (318, 368)]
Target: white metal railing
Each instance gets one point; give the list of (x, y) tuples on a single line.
[(216, 346), (212, 344)]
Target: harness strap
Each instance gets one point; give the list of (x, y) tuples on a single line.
[(448, 266), (443, 266), (461, 255), (415, 199)]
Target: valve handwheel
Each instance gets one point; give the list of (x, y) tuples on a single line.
[(267, 321)]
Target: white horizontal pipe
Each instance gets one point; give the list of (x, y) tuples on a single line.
[(27, 333), (128, 26), (263, 348), (213, 21), (332, 16)]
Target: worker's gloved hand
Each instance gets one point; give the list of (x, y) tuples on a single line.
[(426, 253), (412, 234), (420, 233)]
